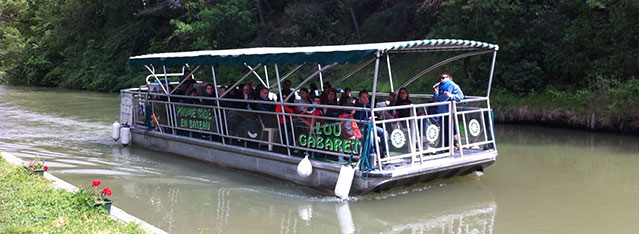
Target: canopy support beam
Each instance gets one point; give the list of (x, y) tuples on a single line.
[(288, 74), (444, 62), (239, 81), (357, 69), (277, 75), (308, 79), (183, 80), (253, 70), (390, 75), (492, 69)]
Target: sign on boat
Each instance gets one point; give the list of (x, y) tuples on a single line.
[(241, 134)]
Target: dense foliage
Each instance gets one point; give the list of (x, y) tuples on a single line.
[(562, 45)]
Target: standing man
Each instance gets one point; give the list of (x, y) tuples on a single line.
[(446, 90)]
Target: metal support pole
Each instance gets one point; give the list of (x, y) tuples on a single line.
[(277, 75), (492, 69), (255, 73), (268, 86), (319, 68), (218, 112), (157, 79), (181, 82), (390, 75), (372, 130), (170, 105)]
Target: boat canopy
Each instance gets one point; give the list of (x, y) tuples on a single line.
[(302, 55)]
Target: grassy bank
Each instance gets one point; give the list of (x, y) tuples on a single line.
[(613, 109), (29, 205)]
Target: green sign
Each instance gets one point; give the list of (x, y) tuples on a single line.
[(329, 137), (198, 118)]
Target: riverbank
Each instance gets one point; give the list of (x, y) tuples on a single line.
[(605, 113), (29, 204)]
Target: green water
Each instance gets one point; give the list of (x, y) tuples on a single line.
[(544, 181)]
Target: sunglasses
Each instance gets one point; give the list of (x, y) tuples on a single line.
[(443, 77)]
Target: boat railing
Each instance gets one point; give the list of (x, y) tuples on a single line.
[(420, 136)]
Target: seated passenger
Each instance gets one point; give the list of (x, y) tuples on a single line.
[(247, 94), (209, 92), (313, 90), (286, 88), (345, 96), (362, 102), (350, 130), (331, 99), (263, 96), (389, 114), (305, 97), (311, 111), (193, 93), (403, 98), (377, 131)]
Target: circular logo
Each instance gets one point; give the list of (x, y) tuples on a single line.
[(397, 138), (474, 128), (432, 132)]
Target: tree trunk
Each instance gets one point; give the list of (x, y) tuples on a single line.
[(259, 11), (350, 5)]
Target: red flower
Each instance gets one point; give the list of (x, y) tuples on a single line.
[(46, 168), (106, 191), (96, 183)]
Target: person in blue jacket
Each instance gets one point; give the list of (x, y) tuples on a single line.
[(446, 90)]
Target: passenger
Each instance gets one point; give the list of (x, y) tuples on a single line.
[(350, 130), (182, 90), (312, 111), (326, 91), (222, 90), (345, 96), (247, 94), (286, 88), (209, 92), (193, 93), (305, 97), (403, 98), (251, 84), (287, 109), (364, 116), (446, 90), (285, 126), (313, 90), (263, 96), (364, 103), (331, 99), (389, 114)]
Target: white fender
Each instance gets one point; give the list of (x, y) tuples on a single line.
[(115, 134), (126, 135), (305, 168), (344, 181)]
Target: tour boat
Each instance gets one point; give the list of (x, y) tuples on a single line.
[(313, 151)]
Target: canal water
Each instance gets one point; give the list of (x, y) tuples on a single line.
[(544, 181)]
